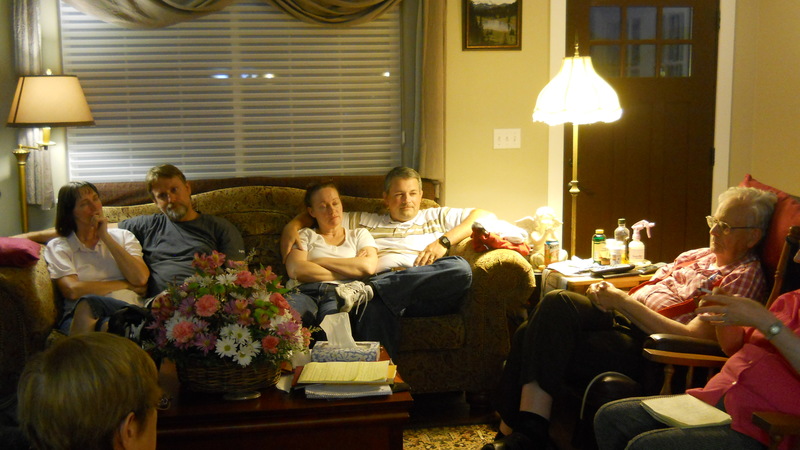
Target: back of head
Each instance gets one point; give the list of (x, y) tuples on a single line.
[(76, 394), (761, 204), (403, 173), (162, 171), (68, 197)]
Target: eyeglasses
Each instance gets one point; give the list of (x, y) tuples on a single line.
[(724, 228)]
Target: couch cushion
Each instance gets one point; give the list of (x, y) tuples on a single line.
[(18, 252), (787, 213), (432, 333)]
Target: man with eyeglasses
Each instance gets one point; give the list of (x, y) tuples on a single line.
[(571, 338)]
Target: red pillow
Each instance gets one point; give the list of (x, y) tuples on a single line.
[(787, 213), (18, 252)]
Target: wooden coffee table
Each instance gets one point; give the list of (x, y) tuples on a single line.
[(278, 420)]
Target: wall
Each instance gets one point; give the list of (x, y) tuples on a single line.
[(765, 138), (9, 203), (488, 89)]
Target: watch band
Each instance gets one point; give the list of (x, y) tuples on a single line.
[(445, 242)]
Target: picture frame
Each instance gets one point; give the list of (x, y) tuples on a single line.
[(492, 24)]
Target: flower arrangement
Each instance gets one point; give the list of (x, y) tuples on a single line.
[(226, 313)]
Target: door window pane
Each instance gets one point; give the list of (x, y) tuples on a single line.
[(641, 60), (605, 59), (642, 22), (676, 60), (677, 23), (604, 22)]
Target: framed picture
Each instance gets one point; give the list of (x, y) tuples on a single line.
[(492, 24)]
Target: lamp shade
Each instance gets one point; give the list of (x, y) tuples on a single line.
[(49, 101), (577, 94)]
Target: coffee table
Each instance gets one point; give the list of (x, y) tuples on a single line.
[(278, 420)]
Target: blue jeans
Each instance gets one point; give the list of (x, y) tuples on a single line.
[(422, 291), (626, 424), (314, 301), (102, 309)]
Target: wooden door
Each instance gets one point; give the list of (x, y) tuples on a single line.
[(655, 163)]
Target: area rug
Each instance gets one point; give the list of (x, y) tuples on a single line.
[(467, 436)]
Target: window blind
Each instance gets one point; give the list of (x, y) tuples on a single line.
[(246, 91)]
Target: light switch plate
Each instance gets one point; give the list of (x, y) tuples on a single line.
[(507, 138)]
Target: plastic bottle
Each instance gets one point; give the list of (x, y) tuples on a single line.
[(598, 245), (615, 251), (636, 247), (622, 234)]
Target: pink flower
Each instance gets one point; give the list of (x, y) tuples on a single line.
[(183, 331), (278, 300), (268, 274), (270, 344), (205, 342), (245, 279), (209, 263), (207, 305)]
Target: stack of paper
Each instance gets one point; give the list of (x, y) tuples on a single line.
[(349, 379), (685, 411)]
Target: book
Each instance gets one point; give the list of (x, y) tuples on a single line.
[(685, 411), (335, 391), (349, 372)]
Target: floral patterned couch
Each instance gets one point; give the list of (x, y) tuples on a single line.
[(458, 352)]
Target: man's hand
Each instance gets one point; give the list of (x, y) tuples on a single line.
[(606, 296), (430, 254)]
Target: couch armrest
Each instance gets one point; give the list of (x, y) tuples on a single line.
[(30, 311), (683, 344)]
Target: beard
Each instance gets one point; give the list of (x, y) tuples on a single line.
[(176, 212)]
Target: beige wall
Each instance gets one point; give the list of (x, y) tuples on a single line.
[(765, 136), (9, 203), (488, 89)]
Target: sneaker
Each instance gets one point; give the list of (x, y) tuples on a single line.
[(353, 294)]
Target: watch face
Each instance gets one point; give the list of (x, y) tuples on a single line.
[(775, 329)]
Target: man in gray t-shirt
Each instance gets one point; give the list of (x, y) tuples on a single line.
[(171, 238)]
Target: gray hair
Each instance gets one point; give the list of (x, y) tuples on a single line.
[(762, 204), (400, 172)]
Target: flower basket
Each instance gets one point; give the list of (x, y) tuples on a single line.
[(227, 378)]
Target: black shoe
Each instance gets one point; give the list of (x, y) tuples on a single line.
[(514, 441)]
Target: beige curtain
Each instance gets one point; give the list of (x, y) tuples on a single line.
[(28, 61), (432, 113), (148, 13), (335, 12)]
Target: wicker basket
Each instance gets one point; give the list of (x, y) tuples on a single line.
[(228, 378)]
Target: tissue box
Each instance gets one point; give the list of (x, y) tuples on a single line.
[(364, 351)]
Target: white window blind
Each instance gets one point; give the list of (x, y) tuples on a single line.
[(246, 91)]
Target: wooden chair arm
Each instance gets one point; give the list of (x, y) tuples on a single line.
[(777, 425), (691, 360)]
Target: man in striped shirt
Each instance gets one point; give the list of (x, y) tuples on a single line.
[(415, 277)]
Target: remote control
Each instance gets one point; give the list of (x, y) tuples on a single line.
[(608, 270), (650, 268)]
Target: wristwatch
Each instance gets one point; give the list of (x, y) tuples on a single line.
[(774, 329), (445, 242)]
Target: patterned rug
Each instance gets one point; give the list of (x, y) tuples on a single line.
[(467, 436)]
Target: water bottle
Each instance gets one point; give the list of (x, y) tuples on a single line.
[(622, 234), (598, 246)]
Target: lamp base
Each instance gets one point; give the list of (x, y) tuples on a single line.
[(21, 154)]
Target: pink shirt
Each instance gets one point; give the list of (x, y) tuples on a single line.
[(757, 377), (743, 279)]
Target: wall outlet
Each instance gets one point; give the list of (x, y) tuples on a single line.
[(507, 138)]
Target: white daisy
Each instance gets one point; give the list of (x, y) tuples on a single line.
[(226, 347)]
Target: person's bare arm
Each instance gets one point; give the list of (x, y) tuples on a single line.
[(72, 288), (301, 269), (359, 266), (436, 250), (290, 234), (608, 297), (42, 236), (133, 268)]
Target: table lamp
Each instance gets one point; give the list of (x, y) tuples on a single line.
[(577, 94), (45, 101)]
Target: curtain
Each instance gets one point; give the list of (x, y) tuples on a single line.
[(28, 61), (148, 13), (334, 12), (432, 95)]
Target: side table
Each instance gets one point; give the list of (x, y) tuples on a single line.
[(553, 279)]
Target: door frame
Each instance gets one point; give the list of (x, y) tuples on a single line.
[(722, 123)]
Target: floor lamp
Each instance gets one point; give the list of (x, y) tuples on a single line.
[(44, 101), (578, 95)]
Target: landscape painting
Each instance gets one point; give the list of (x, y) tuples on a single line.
[(492, 24)]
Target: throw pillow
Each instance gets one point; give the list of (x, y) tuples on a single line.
[(18, 252), (787, 213)]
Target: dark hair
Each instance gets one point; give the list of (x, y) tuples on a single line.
[(68, 196), (162, 171), (314, 188), (400, 172)]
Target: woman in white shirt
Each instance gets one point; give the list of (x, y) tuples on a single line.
[(327, 255), (98, 270)]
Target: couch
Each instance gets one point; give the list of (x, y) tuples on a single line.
[(463, 351)]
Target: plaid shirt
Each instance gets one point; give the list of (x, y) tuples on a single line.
[(692, 272)]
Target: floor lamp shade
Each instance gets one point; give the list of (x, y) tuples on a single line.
[(49, 101), (578, 95)]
